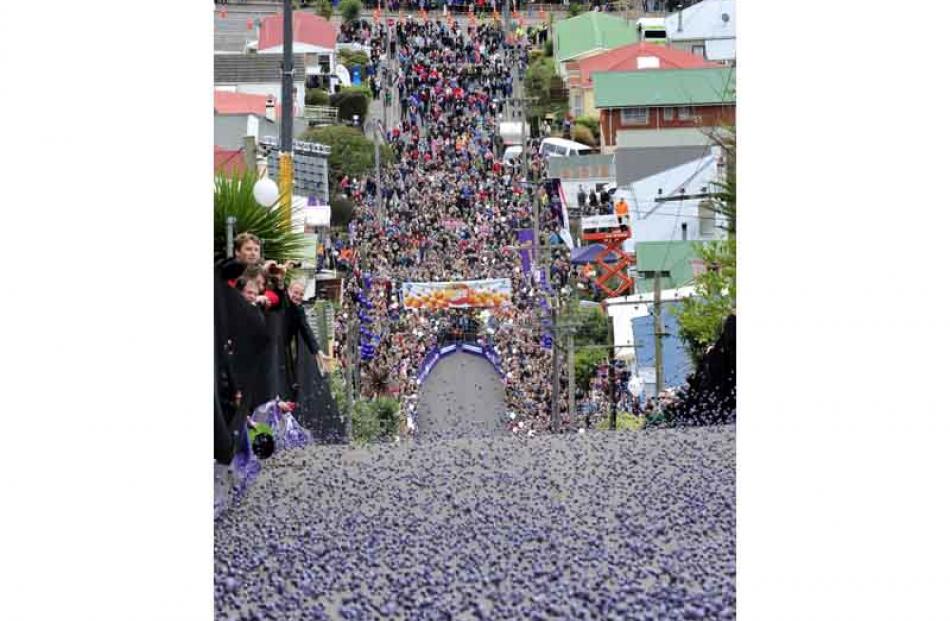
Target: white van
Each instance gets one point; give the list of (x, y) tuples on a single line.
[(512, 155), (652, 30), (559, 147)]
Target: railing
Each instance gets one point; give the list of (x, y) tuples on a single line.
[(321, 114)]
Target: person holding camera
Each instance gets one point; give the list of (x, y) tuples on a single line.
[(247, 251)]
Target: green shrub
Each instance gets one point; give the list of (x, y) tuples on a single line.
[(350, 9), (351, 102), (549, 47), (575, 9), (317, 97), (362, 88), (375, 420), (590, 122), (583, 135), (625, 422), (324, 9)]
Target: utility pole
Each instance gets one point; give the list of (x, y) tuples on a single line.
[(611, 376), (556, 378), (348, 379), (657, 332), (571, 406), (379, 181), (286, 162)]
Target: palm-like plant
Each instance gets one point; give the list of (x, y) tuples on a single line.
[(234, 196)]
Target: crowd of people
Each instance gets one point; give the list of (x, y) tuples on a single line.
[(452, 210), (256, 355)]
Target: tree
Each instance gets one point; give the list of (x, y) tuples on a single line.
[(542, 83), (724, 198), (574, 9), (350, 10), (351, 58), (351, 152), (702, 316), (586, 362), (324, 9), (537, 81), (234, 196)]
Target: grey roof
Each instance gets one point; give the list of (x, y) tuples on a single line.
[(254, 68), (229, 129), (639, 163)]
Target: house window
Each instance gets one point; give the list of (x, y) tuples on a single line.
[(699, 50), (685, 113), (707, 220), (634, 116), (578, 104), (667, 114)]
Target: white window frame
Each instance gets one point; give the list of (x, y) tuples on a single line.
[(707, 220), (669, 114), (641, 111), (689, 113), (578, 104)]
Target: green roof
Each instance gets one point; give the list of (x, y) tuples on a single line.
[(664, 87), (673, 256), (590, 32)]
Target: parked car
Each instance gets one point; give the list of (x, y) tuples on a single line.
[(559, 147)]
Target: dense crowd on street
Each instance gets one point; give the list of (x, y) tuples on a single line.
[(451, 210)]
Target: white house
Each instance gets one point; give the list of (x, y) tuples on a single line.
[(707, 29), (259, 74), (646, 177), (314, 40)]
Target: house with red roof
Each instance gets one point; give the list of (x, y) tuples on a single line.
[(229, 161), (251, 78), (314, 38), (237, 115), (633, 57)]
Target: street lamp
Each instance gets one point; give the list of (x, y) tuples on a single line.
[(266, 192)]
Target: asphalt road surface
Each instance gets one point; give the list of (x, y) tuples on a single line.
[(462, 397), (623, 525)]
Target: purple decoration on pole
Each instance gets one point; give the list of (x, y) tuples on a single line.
[(525, 237)]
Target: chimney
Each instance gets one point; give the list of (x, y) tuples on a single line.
[(679, 19), (270, 109)]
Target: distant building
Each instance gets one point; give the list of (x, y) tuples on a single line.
[(663, 108), (632, 57), (588, 34), (229, 161), (707, 29), (259, 75), (677, 364), (645, 177), (314, 40)]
